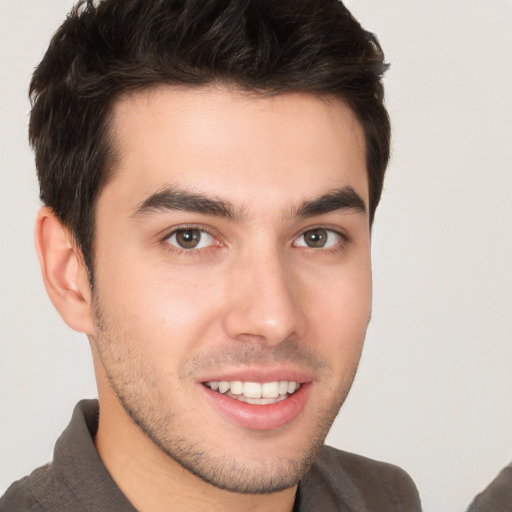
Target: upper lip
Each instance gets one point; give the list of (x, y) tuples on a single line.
[(258, 375)]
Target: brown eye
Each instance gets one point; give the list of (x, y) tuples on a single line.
[(190, 238), (315, 238), (318, 239)]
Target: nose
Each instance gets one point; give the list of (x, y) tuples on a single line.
[(264, 303)]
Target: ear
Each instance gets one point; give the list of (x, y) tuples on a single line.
[(64, 272)]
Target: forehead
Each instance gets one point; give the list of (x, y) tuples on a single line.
[(232, 143)]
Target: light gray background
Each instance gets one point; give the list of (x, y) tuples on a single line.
[(434, 389)]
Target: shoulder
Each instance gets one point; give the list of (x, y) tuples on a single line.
[(21, 495), (42, 491), (361, 470), (346, 481), (497, 497)]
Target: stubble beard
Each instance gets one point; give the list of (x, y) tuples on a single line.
[(137, 390)]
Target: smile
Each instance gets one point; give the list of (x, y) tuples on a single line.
[(255, 393), (263, 405)]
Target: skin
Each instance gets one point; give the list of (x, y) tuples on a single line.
[(252, 299)]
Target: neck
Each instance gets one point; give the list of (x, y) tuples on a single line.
[(152, 481)]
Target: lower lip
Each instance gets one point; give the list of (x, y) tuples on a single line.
[(260, 417)]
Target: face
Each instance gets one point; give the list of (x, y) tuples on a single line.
[(232, 277)]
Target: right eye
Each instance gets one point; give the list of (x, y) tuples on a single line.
[(189, 239)]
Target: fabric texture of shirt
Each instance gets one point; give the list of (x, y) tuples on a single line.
[(497, 497), (77, 480)]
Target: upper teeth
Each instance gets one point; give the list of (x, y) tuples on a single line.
[(255, 389)]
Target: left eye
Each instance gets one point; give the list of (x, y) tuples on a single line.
[(318, 239), (190, 238)]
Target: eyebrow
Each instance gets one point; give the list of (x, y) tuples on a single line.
[(182, 200), (170, 198), (345, 198)]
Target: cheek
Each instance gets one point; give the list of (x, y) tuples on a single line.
[(340, 311), (167, 311)]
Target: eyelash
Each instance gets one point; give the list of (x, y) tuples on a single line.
[(189, 252), (335, 249), (193, 252)]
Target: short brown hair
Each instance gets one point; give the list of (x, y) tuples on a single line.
[(119, 46)]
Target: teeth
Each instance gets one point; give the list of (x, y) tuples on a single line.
[(292, 386), (261, 401), (283, 387), (270, 389), (252, 390), (255, 392), (223, 386), (236, 387)]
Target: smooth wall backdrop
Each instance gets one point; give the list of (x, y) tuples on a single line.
[(434, 389)]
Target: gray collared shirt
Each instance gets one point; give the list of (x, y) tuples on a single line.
[(78, 481), (497, 497)]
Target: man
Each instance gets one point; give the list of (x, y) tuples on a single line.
[(210, 173)]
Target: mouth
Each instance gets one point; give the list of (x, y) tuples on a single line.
[(263, 405), (255, 393)]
